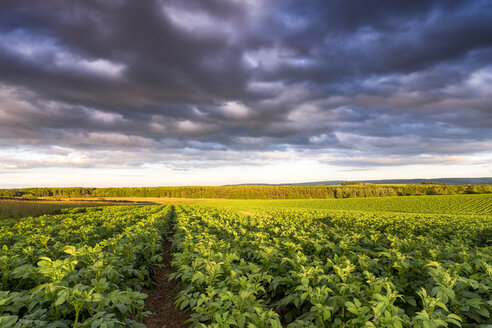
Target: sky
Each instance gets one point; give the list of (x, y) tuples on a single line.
[(155, 93)]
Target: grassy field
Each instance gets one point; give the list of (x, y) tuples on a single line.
[(12, 208), (442, 204), (155, 200)]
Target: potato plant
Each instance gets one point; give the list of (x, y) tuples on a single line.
[(333, 268), (265, 267), (83, 268)]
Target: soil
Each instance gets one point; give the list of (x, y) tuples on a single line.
[(161, 300)]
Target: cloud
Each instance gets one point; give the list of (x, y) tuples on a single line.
[(218, 82)]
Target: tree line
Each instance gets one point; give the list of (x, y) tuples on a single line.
[(254, 191)]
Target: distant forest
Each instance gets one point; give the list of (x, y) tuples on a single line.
[(254, 191)]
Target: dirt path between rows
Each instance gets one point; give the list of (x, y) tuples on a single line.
[(161, 300)]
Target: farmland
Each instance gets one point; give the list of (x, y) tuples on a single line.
[(442, 204), (333, 269), (83, 268), (15, 208), (422, 261)]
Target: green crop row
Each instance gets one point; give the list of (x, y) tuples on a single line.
[(266, 267), (437, 204), (83, 268), (305, 268)]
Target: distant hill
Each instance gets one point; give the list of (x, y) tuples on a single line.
[(451, 181)]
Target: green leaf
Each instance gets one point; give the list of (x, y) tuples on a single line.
[(123, 308), (8, 321)]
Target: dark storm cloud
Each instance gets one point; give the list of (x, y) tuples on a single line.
[(221, 78)]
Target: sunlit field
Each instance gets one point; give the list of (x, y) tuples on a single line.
[(440, 204), (18, 208), (22, 208), (422, 261)]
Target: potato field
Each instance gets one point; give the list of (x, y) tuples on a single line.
[(83, 268), (255, 267)]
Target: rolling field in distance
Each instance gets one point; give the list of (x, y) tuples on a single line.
[(18, 208), (22, 208), (439, 204)]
